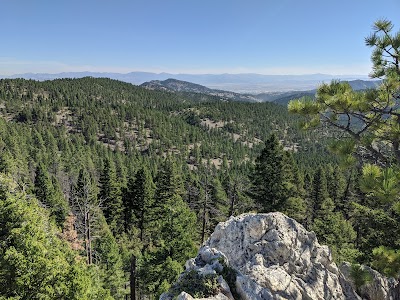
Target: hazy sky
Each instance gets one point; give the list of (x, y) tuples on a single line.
[(190, 36)]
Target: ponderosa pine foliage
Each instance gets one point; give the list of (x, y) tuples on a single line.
[(370, 121), (370, 118)]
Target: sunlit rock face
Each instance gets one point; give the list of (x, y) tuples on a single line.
[(272, 257), (277, 258)]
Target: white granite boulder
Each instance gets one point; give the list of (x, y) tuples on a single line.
[(272, 257)]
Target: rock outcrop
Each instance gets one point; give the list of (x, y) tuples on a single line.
[(264, 256), (378, 288)]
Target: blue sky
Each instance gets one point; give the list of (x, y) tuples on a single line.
[(190, 36)]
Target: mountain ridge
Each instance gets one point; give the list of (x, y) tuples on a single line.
[(282, 98), (241, 82), (174, 85)]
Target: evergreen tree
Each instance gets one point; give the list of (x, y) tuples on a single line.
[(308, 188), (43, 186), (369, 120), (111, 197), (236, 188), (109, 260), (195, 198), (330, 226), (220, 203), (387, 261), (139, 211), (296, 208), (47, 190), (175, 227), (371, 226), (34, 262), (336, 186), (319, 193), (270, 178), (139, 204), (177, 221)]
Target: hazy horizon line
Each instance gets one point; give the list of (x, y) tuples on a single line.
[(186, 73)]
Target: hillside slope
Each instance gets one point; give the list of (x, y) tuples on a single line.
[(126, 117)]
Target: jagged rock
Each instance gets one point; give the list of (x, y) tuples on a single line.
[(278, 259), (273, 257), (209, 262), (379, 288)]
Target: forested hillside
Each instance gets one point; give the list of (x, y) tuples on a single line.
[(93, 165), (174, 85), (107, 188)]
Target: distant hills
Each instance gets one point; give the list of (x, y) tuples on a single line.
[(239, 83), (283, 98), (364, 84), (174, 85)]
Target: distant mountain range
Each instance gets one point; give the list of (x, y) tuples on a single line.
[(240, 83)]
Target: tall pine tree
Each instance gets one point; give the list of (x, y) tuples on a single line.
[(111, 197), (175, 231), (330, 226), (139, 205), (47, 190), (270, 179)]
